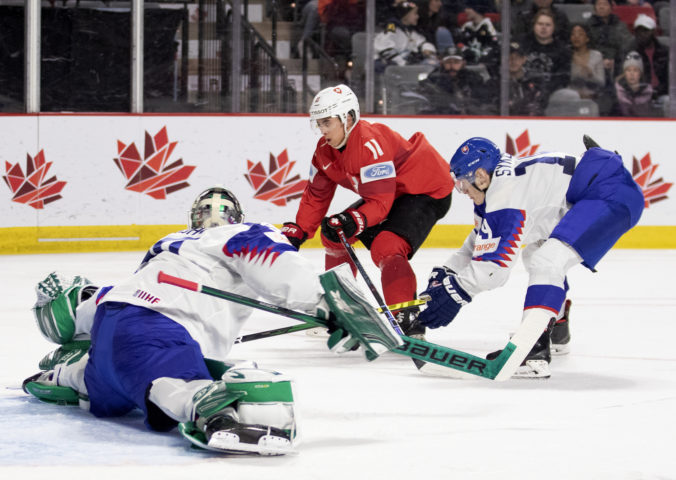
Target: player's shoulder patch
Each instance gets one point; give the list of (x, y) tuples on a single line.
[(377, 171)]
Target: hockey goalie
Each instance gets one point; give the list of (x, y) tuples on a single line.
[(151, 346)]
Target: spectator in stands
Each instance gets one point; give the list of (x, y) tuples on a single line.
[(525, 21), (305, 26), (525, 96), (401, 43), (547, 57), (634, 96), (587, 74), (452, 89), (478, 39), (435, 25), (610, 36), (654, 55), (517, 8), (342, 18)]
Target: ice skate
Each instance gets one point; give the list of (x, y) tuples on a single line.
[(536, 363), (226, 434), (561, 332), (408, 322)]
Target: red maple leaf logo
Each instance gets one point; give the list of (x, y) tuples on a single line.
[(33, 188), (152, 175), (520, 147), (642, 171), (275, 186)]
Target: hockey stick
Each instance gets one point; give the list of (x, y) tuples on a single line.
[(307, 326), (423, 353), (381, 303), (274, 332), (413, 348), (251, 302)]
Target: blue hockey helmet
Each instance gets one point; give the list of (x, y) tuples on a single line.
[(477, 152)]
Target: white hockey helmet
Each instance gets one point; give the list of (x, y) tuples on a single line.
[(214, 207), (338, 101)]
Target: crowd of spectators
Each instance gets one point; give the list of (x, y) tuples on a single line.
[(616, 62)]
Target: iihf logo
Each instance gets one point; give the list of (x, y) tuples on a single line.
[(464, 149)]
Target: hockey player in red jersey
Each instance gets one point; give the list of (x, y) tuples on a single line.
[(405, 188)]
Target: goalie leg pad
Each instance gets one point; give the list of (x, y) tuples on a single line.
[(66, 354), (250, 411)]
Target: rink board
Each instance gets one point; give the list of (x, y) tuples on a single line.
[(77, 182)]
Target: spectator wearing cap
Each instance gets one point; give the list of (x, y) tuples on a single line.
[(587, 75), (452, 89), (478, 38), (547, 57), (435, 24), (526, 19), (634, 96), (401, 43), (654, 55), (526, 97)]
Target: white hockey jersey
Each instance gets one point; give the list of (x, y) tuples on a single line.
[(246, 259), (524, 202), (395, 44)]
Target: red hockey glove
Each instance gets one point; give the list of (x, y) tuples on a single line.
[(294, 233), (351, 222)]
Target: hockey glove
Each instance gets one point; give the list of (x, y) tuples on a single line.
[(294, 234), (446, 298), (351, 222)]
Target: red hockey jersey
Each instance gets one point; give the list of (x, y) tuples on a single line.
[(378, 164)]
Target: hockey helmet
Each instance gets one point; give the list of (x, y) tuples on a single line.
[(477, 152), (214, 207), (338, 101)]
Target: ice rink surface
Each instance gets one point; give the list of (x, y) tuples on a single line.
[(607, 412)]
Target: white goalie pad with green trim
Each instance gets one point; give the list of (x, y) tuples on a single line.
[(254, 399), (356, 315)]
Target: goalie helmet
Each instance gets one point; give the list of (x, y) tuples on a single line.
[(338, 101), (214, 207), (477, 152)]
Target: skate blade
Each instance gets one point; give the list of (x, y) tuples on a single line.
[(560, 349), (533, 369), (317, 332), (228, 442)]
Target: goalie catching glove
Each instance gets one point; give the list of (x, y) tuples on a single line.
[(351, 222), (446, 298), (56, 305)]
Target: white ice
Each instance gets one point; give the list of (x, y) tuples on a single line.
[(607, 412)]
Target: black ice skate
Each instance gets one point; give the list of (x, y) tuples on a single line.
[(536, 363), (224, 433), (408, 322), (561, 332)]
